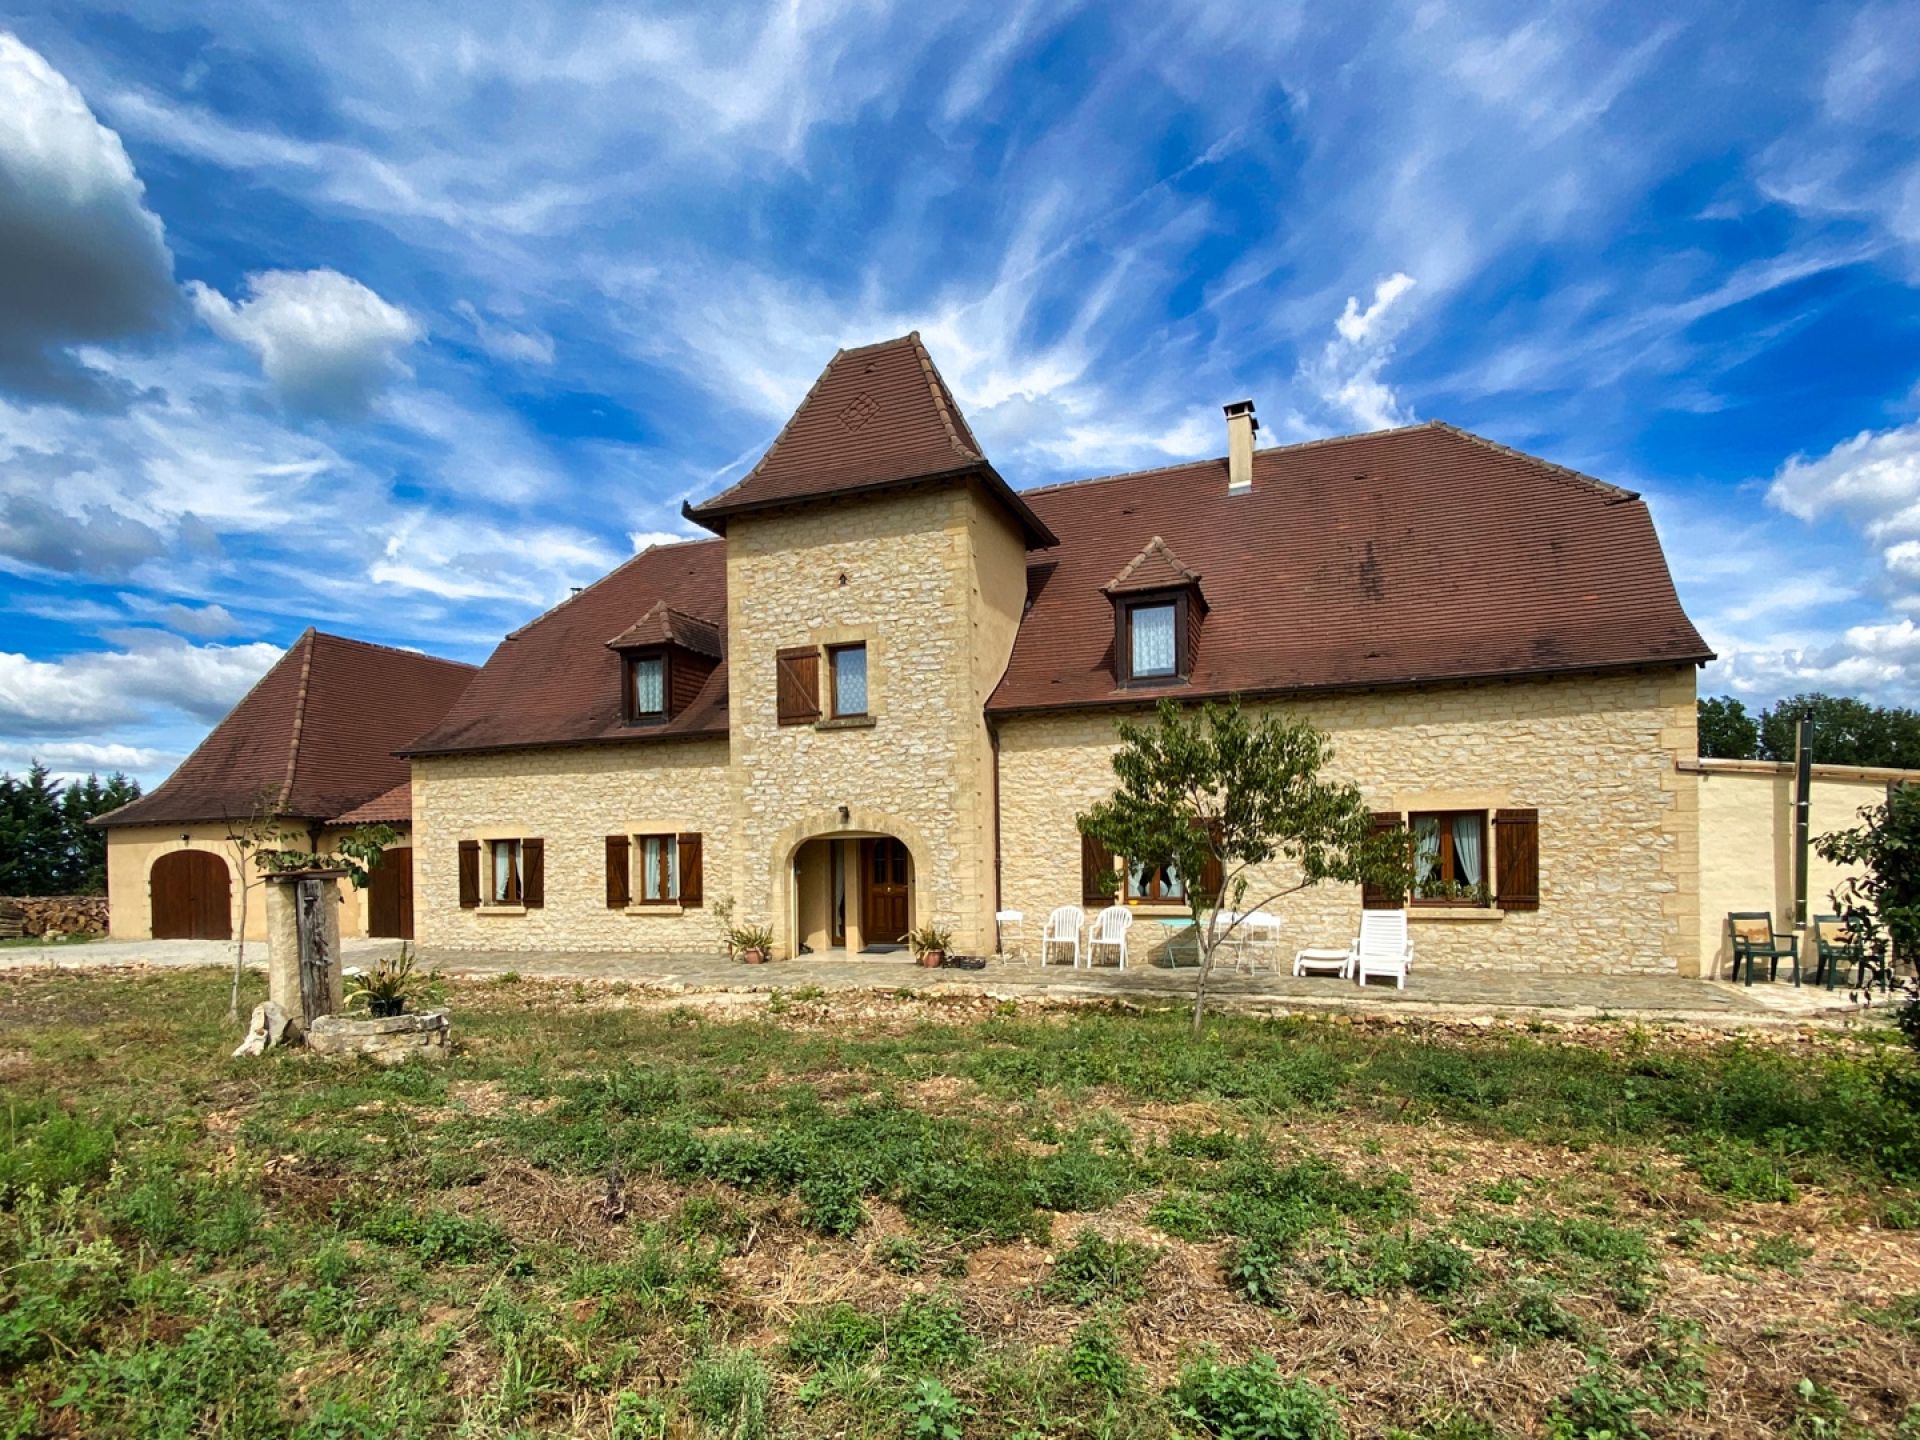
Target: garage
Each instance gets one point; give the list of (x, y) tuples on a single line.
[(192, 896)]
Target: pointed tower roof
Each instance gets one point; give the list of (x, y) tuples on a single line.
[(1156, 567), (879, 417), (312, 739)]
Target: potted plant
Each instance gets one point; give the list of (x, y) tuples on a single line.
[(752, 943), (930, 945), (387, 986)]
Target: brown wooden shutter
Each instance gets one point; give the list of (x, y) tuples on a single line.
[(799, 686), (619, 872), (1212, 873), (1516, 849), (690, 877), (533, 873), (1382, 897), (1096, 872), (469, 874)]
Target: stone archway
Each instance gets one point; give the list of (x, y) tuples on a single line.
[(837, 875)]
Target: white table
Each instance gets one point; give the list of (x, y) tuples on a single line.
[(1323, 961)]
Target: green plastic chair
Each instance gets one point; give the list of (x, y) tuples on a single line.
[(1838, 951), (1754, 938)]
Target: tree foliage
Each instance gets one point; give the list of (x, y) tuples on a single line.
[(1880, 900), (1727, 732), (1845, 731), (46, 845), (1211, 792)]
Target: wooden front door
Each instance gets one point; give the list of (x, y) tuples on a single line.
[(191, 895), (390, 896), (885, 879)]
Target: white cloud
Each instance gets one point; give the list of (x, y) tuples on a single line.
[(1872, 480), (458, 559), (325, 341), (75, 760), (86, 693), (208, 622), (82, 258), (1345, 378), (503, 342), (1357, 325)]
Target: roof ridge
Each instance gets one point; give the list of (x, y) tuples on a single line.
[(944, 402), (1174, 562), (1222, 459), (319, 634), (305, 643), (1617, 492), (633, 559)]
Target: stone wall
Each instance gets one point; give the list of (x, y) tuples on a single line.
[(1597, 757), (1746, 843), (572, 800)]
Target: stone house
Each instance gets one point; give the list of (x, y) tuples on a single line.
[(882, 692), (308, 753)]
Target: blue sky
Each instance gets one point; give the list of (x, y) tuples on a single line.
[(400, 319)]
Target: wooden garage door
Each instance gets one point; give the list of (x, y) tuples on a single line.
[(390, 896), (192, 897)]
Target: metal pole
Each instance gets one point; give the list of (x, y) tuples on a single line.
[(1802, 804)]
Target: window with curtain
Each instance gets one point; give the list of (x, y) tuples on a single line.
[(503, 879), (659, 867), (1151, 643), (1450, 857), (847, 664), (649, 686), (1154, 882)]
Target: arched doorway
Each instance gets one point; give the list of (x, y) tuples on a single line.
[(390, 895), (852, 892), (191, 894)]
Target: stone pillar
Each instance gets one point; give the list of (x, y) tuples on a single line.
[(320, 950)]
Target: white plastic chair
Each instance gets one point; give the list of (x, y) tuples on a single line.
[(1010, 931), (1260, 942), (1063, 928), (1382, 947), (1109, 931)]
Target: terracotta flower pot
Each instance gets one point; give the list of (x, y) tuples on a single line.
[(933, 959), (753, 955)]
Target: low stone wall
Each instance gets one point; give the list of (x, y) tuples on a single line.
[(387, 1041), (33, 915)]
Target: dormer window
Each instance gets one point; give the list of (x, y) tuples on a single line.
[(647, 687), (1157, 609), (666, 659)]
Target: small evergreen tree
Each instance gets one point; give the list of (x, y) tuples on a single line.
[(1210, 794)]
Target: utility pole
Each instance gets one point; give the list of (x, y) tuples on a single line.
[(1802, 805)]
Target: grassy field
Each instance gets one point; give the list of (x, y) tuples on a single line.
[(614, 1215)]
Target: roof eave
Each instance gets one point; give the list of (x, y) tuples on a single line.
[(714, 517)]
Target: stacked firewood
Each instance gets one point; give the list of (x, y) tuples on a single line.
[(53, 915)]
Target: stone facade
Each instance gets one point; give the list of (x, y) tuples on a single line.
[(1597, 757), (572, 799)]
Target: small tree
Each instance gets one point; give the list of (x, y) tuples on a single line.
[(256, 832), (1727, 731), (1243, 807), (1881, 900)]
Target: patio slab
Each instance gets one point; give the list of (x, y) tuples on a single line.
[(1569, 995)]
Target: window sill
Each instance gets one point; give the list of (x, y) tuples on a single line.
[(1467, 914), (845, 722), (656, 907), (503, 909), (1156, 908)]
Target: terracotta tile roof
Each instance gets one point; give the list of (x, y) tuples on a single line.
[(1156, 567), (314, 738), (664, 625), (557, 682), (1406, 556), (392, 807), (879, 417)]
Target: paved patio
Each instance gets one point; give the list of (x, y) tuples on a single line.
[(1439, 992)]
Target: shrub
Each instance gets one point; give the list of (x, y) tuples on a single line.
[(927, 1333), (1253, 1402), (727, 1392), (1096, 1268)]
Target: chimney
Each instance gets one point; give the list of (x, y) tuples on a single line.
[(1241, 427)]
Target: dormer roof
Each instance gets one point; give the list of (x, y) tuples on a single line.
[(663, 625), (1156, 567), (879, 417)]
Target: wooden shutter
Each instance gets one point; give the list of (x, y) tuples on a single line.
[(533, 873), (1516, 850), (1212, 873), (469, 874), (690, 876), (1096, 872), (619, 872), (799, 686), (1382, 897)]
